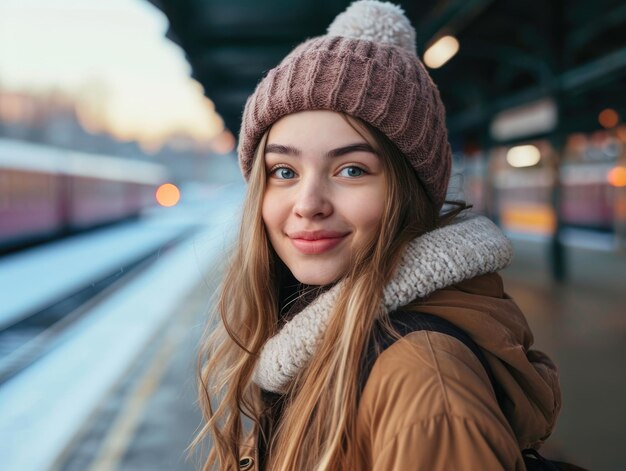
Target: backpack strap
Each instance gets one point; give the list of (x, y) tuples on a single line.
[(405, 322)]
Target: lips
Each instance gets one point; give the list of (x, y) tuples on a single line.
[(316, 242)]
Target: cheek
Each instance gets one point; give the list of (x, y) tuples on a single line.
[(370, 219), (367, 213)]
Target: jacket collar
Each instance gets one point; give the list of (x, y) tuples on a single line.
[(469, 247)]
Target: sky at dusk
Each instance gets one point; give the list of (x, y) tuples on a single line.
[(112, 53)]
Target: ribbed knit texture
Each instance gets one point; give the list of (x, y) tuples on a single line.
[(383, 84), (446, 256)]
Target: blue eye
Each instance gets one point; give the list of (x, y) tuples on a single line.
[(283, 173), (352, 171)]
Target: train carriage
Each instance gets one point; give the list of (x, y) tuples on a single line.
[(46, 192)]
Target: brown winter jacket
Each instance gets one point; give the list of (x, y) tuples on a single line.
[(428, 403)]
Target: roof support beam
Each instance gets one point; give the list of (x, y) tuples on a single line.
[(585, 76), (583, 34), (609, 65)]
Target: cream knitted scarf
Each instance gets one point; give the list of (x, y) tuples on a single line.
[(470, 247)]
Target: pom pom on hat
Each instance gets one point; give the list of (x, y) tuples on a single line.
[(380, 22)]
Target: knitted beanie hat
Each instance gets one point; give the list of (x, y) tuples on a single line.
[(365, 66)]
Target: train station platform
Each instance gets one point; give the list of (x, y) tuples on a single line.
[(146, 419), (581, 324), (51, 402)]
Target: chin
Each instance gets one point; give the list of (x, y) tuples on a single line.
[(315, 277)]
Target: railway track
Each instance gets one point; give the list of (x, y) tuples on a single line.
[(31, 338)]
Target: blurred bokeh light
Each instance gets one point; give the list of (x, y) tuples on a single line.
[(523, 156), (168, 195), (617, 176), (441, 52), (608, 118)]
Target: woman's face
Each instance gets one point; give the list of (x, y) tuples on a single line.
[(325, 194)]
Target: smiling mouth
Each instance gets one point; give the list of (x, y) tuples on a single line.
[(314, 244)]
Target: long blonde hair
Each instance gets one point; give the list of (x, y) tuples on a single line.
[(317, 425)]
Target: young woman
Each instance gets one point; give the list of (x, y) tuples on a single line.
[(345, 151)]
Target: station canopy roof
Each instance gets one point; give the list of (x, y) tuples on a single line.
[(511, 53)]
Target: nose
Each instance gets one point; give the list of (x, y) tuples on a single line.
[(312, 200)]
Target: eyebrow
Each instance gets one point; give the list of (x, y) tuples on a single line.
[(292, 151)]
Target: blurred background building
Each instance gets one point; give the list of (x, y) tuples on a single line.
[(119, 191)]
